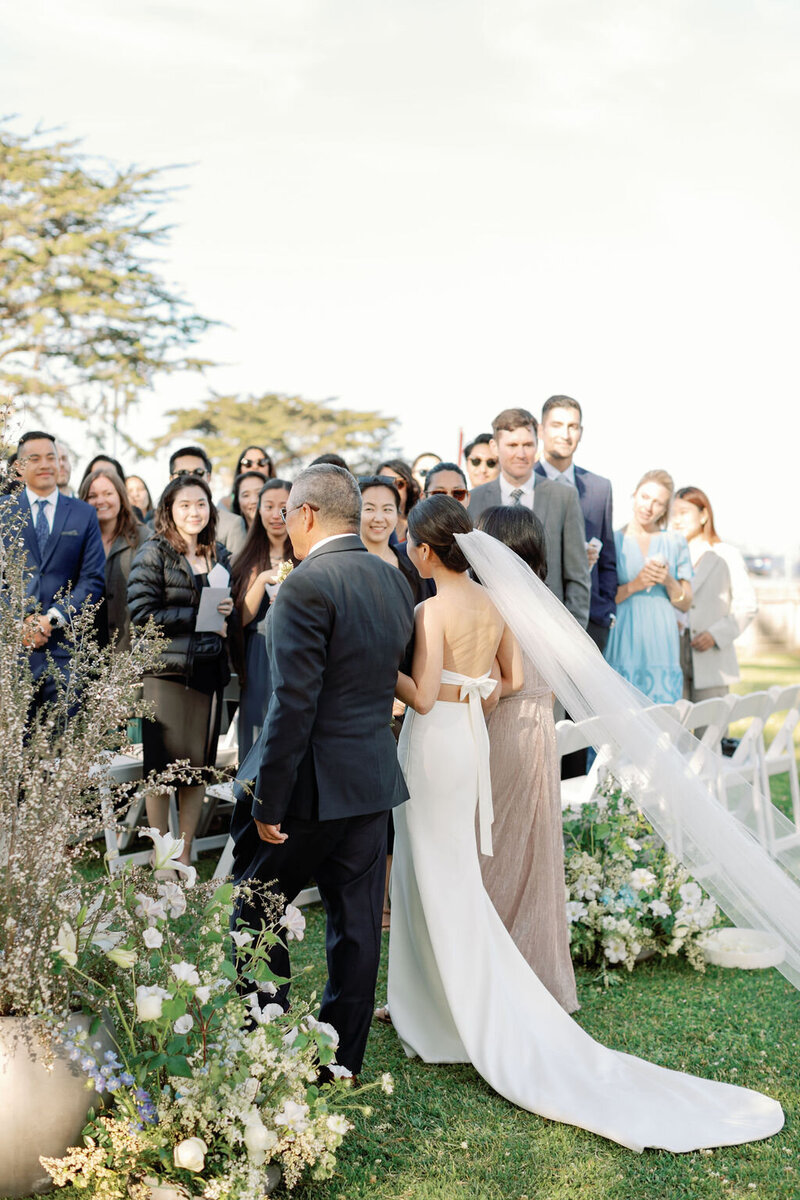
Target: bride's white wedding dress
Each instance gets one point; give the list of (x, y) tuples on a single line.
[(460, 991)]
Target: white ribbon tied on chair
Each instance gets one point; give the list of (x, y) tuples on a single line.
[(476, 690)]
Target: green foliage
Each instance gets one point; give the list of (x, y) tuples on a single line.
[(291, 429), (86, 320)]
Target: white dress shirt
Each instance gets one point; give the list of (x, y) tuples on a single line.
[(557, 476), (49, 508), (331, 538), (506, 488)]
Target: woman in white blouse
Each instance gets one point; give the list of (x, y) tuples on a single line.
[(723, 600)]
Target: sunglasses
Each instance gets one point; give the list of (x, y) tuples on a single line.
[(491, 463), (198, 472), (249, 463), (457, 493)]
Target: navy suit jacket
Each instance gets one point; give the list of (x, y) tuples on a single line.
[(74, 561), (337, 633), (594, 495)]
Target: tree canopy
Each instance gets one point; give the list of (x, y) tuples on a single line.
[(86, 319), (292, 429)]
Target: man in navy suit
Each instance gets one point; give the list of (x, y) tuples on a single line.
[(65, 551), (313, 794), (560, 432)]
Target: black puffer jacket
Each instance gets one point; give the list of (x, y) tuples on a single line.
[(160, 586)]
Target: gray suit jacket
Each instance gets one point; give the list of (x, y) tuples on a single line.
[(231, 530), (559, 510)]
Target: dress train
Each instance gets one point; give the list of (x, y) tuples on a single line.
[(460, 991)]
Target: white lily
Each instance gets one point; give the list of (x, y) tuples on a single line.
[(166, 850), (66, 944), (122, 958), (258, 1139)]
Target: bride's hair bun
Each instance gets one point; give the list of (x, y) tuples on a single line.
[(435, 521)]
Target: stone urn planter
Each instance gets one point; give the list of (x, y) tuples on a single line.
[(42, 1108)]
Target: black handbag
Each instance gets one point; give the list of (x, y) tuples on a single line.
[(206, 646)]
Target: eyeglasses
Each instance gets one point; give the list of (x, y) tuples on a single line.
[(491, 463), (459, 494), (198, 472), (306, 504), (249, 463)]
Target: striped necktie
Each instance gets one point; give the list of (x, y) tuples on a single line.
[(42, 526), (515, 498)]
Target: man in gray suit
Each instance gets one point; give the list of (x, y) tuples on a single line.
[(557, 507)]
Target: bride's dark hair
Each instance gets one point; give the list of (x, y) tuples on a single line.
[(520, 530), (436, 521)]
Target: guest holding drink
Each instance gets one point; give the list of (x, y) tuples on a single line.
[(723, 599), (654, 570), (122, 536), (255, 582), (168, 575)]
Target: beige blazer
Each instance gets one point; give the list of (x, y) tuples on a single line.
[(723, 604)]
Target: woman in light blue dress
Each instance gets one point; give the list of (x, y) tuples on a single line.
[(654, 570)]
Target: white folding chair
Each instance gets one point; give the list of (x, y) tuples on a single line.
[(747, 763), (710, 718), (780, 757), (580, 735)]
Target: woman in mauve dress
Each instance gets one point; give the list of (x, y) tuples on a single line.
[(525, 875)]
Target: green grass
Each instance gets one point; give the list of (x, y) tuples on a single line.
[(445, 1135)]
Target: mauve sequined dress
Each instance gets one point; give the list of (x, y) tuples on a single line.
[(525, 876)]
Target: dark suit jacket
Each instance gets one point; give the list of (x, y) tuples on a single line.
[(558, 509), (337, 632), (73, 560), (594, 495)]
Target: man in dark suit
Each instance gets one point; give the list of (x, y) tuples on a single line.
[(514, 443), (63, 547), (560, 432), (325, 769)]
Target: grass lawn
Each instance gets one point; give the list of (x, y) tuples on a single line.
[(444, 1134)]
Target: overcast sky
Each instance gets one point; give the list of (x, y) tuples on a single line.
[(440, 208)]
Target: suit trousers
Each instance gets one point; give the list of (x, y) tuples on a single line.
[(346, 858)]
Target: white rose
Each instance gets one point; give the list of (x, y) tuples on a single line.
[(185, 973), (174, 898), (190, 1154), (293, 1116), (183, 1024), (149, 1001), (152, 938), (122, 958), (258, 1139), (150, 909)]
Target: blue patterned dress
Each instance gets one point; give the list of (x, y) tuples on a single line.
[(644, 645)]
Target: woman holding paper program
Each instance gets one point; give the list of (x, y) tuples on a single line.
[(166, 583)]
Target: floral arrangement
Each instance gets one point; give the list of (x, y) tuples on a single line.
[(627, 896), (208, 1086)]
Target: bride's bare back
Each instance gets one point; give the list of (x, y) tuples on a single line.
[(459, 630)]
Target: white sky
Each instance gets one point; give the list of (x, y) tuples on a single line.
[(440, 208)]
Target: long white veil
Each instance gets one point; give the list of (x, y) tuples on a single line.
[(666, 770)]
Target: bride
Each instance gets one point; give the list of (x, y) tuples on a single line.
[(459, 990)]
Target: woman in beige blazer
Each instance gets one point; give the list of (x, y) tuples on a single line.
[(723, 600)]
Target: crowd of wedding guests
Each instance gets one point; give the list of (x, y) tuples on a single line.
[(663, 597)]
